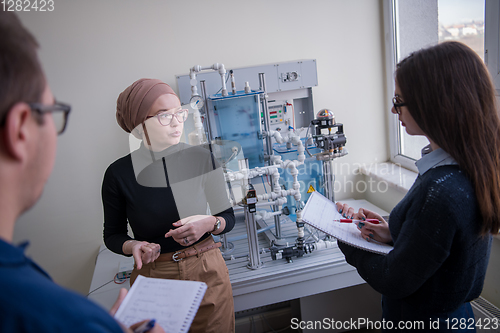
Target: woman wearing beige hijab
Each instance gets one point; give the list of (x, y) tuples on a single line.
[(162, 190)]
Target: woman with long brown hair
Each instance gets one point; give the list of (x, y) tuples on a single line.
[(441, 230)]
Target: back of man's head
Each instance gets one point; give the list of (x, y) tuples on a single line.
[(21, 75)]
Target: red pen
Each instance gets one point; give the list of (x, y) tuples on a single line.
[(374, 221)]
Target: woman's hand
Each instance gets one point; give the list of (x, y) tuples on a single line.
[(143, 252), (121, 296), (379, 232), (191, 228)]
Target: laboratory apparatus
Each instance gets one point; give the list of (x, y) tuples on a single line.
[(330, 145), (260, 131)]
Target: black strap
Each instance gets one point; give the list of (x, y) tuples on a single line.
[(165, 169), (211, 155)]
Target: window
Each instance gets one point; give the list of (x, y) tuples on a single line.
[(463, 21), (414, 24), (492, 40)]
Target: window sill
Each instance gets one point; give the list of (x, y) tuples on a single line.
[(396, 176)]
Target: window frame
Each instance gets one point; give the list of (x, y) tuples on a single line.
[(390, 38), (492, 40), (492, 60)]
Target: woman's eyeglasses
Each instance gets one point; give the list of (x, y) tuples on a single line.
[(396, 102), (60, 112), (165, 118)]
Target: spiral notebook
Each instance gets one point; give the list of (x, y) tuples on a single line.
[(321, 213), (173, 303)]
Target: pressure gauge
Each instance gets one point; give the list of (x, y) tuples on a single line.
[(196, 102)]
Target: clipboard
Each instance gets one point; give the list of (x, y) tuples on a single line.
[(320, 213)]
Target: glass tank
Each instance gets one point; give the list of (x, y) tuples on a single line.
[(237, 118)]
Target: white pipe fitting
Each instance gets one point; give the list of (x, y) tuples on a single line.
[(238, 175), (276, 135), (300, 149), (276, 195), (297, 196), (320, 245), (299, 216), (292, 138), (279, 201), (197, 68), (198, 125), (222, 72), (264, 214), (275, 159)]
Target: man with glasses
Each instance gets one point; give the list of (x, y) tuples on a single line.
[(30, 120)]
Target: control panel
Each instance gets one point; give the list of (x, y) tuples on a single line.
[(276, 114), (280, 115)]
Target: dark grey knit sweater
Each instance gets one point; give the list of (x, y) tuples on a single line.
[(439, 259)]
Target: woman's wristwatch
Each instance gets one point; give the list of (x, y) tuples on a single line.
[(216, 225)]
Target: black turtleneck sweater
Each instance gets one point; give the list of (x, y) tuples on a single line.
[(153, 190)]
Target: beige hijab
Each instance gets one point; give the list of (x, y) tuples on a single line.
[(133, 104)]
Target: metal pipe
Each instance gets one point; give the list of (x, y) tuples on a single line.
[(328, 180), (269, 148), (253, 242), (222, 72), (216, 67), (262, 204), (262, 81), (233, 83), (251, 225), (205, 107)]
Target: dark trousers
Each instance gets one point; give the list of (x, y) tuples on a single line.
[(401, 318)]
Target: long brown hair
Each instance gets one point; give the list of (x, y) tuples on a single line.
[(451, 96)]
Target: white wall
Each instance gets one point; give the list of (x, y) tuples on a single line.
[(91, 50)]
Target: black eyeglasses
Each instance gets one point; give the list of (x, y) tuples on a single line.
[(397, 104), (60, 112)]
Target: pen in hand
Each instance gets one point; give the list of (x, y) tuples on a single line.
[(374, 221), (145, 326)]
